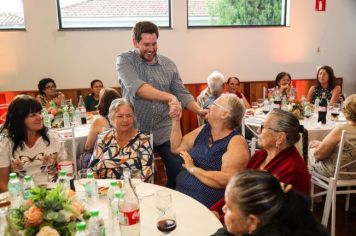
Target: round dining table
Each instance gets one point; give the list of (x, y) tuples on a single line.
[(192, 217)]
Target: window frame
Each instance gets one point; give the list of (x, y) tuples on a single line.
[(285, 13), (61, 28), (17, 29)]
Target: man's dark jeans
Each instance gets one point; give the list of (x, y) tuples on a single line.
[(172, 162)]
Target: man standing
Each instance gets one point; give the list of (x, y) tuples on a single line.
[(151, 82)]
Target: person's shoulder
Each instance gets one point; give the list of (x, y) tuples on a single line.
[(129, 54), (165, 60)]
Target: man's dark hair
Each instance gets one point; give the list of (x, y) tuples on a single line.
[(144, 27)]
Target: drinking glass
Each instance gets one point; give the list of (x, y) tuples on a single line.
[(82, 178), (260, 102), (335, 111), (254, 106), (166, 220)]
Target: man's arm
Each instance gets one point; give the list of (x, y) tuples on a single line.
[(148, 92)]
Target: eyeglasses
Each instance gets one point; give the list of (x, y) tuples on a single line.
[(50, 86), (122, 116), (262, 127), (220, 106)]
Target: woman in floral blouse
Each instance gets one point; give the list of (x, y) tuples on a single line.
[(122, 146)]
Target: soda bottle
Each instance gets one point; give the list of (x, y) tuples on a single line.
[(91, 187), (46, 118), (129, 210), (15, 190), (81, 229), (96, 224), (63, 179), (27, 185), (82, 109), (322, 110)]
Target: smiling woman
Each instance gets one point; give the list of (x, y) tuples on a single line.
[(26, 146)]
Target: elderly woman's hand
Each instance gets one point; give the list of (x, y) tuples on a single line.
[(188, 161)]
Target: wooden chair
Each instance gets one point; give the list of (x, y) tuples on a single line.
[(331, 185)]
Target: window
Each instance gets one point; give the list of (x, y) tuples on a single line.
[(11, 14), (236, 13), (112, 13)]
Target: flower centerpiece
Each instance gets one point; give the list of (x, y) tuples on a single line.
[(298, 110), (53, 212), (56, 113)]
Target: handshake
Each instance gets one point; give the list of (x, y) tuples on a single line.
[(175, 109)]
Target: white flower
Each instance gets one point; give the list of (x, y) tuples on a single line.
[(47, 231)]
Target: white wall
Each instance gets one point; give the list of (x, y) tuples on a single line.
[(74, 58)]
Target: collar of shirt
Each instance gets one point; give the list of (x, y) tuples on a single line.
[(158, 60)]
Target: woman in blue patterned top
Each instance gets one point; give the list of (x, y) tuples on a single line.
[(325, 84), (213, 152), (122, 146)]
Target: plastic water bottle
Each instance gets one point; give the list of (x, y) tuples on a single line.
[(63, 179), (316, 103), (77, 117), (46, 118), (96, 224), (111, 192), (15, 190), (91, 187), (82, 109), (66, 119), (28, 184), (114, 211), (81, 229), (129, 210)]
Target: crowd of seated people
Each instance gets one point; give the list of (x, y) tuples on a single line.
[(27, 147), (91, 100)]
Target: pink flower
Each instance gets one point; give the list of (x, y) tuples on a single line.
[(33, 216)]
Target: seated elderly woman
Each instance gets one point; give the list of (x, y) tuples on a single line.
[(325, 84), (233, 84), (47, 93), (277, 136), (213, 152), (107, 95), (258, 204), (323, 155), (211, 93), (122, 146), (27, 147)]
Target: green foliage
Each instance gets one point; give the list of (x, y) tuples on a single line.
[(245, 12)]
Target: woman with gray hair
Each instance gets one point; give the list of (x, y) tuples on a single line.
[(211, 153), (122, 146), (323, 155), (258, 204)]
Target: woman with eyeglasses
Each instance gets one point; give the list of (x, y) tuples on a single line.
[(212, 153), (48, 93), (233, 84), (27, 147), (122, 146), (277, 137), (282, 84)]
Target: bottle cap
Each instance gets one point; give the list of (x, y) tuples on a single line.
[(28, 177), (81, 226), (94, 212), (13, 175), (113, 183), (62, 173), (118, 194), (90, 175)]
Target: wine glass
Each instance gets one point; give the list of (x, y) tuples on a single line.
[(335, 111), (254, 106), (166, 221)]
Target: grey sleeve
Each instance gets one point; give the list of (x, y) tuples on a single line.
[(178, 89), (128, 75)]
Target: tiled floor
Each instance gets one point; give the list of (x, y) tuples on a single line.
[(345, 221)]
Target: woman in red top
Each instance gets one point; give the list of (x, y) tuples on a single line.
[(233, 84), (277, 137)]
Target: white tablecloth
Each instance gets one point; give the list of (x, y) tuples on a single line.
[(192, 217)]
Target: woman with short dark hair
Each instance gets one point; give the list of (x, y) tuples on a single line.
[(258, 204), (47, 93)]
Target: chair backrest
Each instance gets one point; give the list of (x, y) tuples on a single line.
[(346, 158)]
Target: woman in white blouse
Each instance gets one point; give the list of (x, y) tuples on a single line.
[(27, 147)]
